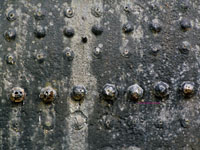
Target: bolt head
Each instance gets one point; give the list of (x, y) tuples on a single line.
[(11, 16), (188, 88), (68, 54), (109, 92), (78, 92), (10, 59), (48, 94), (161, 89), (127, 27), (135, 92), (10, 34), (17, 94), (96, 11), (69, 12)]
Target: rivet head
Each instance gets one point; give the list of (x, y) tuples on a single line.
[(68, 54), (127, 8), (40, 31), (40, 56), (10, 59), (109, 92), (184, 47), (187, 88), (125, 52), (48, 94), (135, 92), (97, 52), (17, 94), (155, 26), (39, 14), (185, 24), (11, 16), (97, 29), (127, 27), (69, 12), (10, 34), (96, 11), (78, 92), (84, 39), (68, 32), (161, 89)]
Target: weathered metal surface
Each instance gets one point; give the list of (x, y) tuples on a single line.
[(99, 75)]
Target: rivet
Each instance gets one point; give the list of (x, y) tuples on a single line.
[(40, 31), (47, 94), (10, 34), (78, 92), (185, 24), (97, 29), (68, 32), (39, 14), (69, 12), (17, 94), (155, 26), (127, 8), (96, 11), (109, 92), (135, 92), (97, 52), (184, 47), (11, 16), (68, 54), (127, 27), (155, 48), (84, 39), (40, 56), (161, 89), (187, 88), (125, 52), (10, 59)]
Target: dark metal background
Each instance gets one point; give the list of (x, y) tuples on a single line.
[(93, 124)]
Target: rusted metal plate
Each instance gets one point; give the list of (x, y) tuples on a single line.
[(99, 75)]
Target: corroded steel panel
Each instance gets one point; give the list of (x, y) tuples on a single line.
[(99, 75)]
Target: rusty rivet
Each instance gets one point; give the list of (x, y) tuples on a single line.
[(17, 94), (69, 12), (161, 89), (185, 24), (84, 39), (68, 32), (184, 47), (10, 34), (39, 14), (11, 16), (40, 56), (97, 52), (109, 92), (48, 94), (127, 27), (78, 92), (155, 26), (68, 54), (97, 29), (135, 92), (187, 88), (96, 11), (10, 59), (40, 31)]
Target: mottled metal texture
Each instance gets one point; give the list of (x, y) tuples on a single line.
[(62, 44)]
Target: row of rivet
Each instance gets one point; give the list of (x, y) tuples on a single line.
[(109, 92)]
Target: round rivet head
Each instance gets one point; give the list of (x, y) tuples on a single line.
[(97, 52), (155, 26), (135, 92), (10, 59), (161, 89), (10, 34), (188, 88), (11, 16), (78, 92), (69, 12), (184, 47), (69, 32), (47, 94), (185, 24), (39, 14), (109, 92), (40, 31), (17, 95), (97, 29), (68, 54), (127, 27), (96, 11)]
